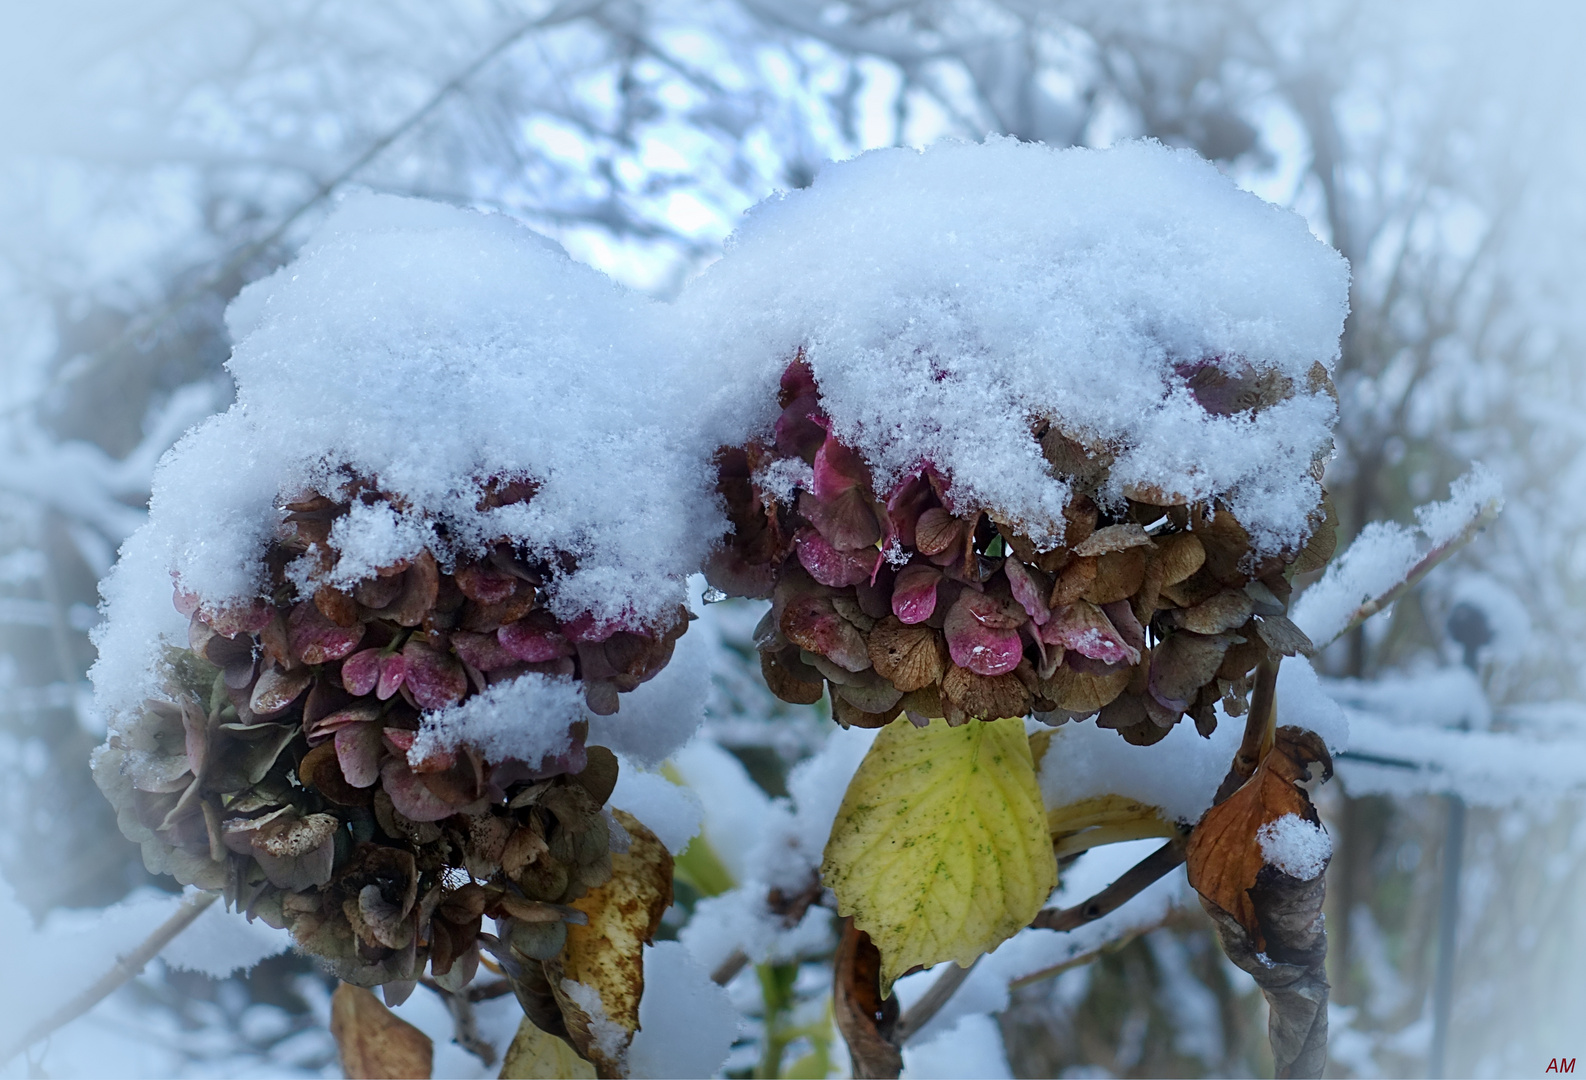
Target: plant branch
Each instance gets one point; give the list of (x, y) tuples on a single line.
[(125, 969), (1439, 554), (1133, 882), (946, 984), (465, 1026), (1086, 957), (728, 969)]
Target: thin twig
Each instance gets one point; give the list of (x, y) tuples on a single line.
[(465, 1026), (1133, 882), (1086, 957), (920, 1014), (149, 323), (1484, 517), (1260, 726), (125, 969), (728, 969)]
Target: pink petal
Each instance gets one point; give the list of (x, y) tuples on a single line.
[(1027, 590), (812, 623), (908, 501), (247, 618), (358, 749), (393, 672), (829, 566), (996, 612), (797, 432), (531, 641), (914, 594), (1085, 628), (983, 649), (481, 651), (334, 723), (360, 672), (410, 795), (587, 628), (838, 469), (797, 378), (435, 679), (848, 521), (1121, 614), (314, 639), (186, 602)]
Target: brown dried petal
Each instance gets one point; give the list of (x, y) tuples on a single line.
[(1225, 611), (1119, 574), (1081, 692), (297, 854), (790, 679), (1073, 582), (1180, 555), (1283, 636), (986, 697), (1181, 665), (937, 531), (420, 587), (1114, 538), (910, 657)]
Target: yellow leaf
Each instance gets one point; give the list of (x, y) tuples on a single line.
[(535, 1055), (599, 976), (373, 1042), (940, 850)]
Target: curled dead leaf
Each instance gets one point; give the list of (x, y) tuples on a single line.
[(865, 1018), (607, 955), (1224, 856), (373, 1042)]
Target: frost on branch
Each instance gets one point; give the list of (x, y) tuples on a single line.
[(1047, 434), (448, 519)]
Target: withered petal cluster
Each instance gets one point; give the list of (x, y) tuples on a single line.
[(278, 769), (904, 601)]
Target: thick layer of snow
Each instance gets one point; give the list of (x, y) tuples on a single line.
[(672, 812), (687, 1023), (946, 298), (1295, 846), (433, 349)]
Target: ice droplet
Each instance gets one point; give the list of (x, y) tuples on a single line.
[(713, 595)]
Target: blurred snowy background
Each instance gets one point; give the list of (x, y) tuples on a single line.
[(156, 156)]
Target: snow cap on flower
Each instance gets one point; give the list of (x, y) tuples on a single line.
[(1180, 332)]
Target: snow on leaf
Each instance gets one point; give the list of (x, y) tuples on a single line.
[(940, 850), (607, 954)]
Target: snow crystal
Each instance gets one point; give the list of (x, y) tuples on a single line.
[(1384, 553), (945, 298), (1303, 702), (687, 1023), (432, 349), (673, 813), (1295, 846), (524, 718)]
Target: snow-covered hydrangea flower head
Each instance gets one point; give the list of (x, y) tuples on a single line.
[(994, 404)]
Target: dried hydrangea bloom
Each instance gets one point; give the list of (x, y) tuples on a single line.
[(907, 599), (289, 765)]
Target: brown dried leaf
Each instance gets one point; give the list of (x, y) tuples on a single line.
[(1224, 857), (865, 1018), (607, 955), (910, 657), (1118, 575), (373, 1042), (1181, 665), (538, 1055)]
